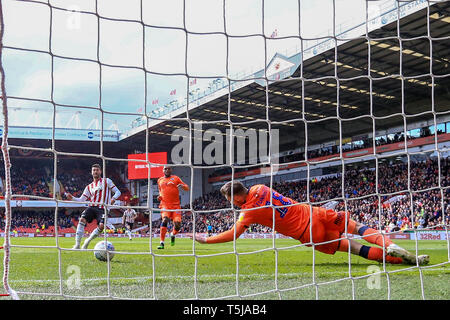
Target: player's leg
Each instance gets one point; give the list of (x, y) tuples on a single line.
[(163, 230), (330, 247), (85, 218), (97, 231), (94, 234), (176, 219), (340, 220), (126, 228), (370, 253), (128, 231), (176, 229), (392, 249)]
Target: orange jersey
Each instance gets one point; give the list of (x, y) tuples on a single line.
[(290, 220), (168, 190)]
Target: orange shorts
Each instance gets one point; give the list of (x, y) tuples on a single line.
[(327, 225), (175, 216)]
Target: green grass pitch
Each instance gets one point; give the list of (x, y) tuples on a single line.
[(165, 276)]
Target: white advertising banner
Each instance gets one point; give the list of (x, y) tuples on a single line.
[(429, 235), (61, 134)]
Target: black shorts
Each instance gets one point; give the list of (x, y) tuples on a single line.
[(129, 225), (92, 213)]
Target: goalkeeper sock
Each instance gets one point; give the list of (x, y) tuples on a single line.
[(94, 234), (162, 233), (375, 236), (80, 232), (376, 254)]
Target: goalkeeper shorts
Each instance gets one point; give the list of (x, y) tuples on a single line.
[(327, 225)]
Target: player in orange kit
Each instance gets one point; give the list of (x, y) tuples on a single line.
[(169, 198), (295, 220)]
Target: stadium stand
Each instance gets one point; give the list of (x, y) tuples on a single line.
[(33, 178), (28, 221), (351, 146), (360, 186)]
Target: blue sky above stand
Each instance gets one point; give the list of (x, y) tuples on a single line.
[(74, 35)]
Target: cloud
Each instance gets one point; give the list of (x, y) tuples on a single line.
[(27, 74), (27, 25), (75, 35)]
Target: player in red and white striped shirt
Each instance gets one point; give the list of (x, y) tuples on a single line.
[(129, 215), (97, 193)]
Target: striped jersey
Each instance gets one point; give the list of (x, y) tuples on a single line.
[(129, 215), (100, 191)]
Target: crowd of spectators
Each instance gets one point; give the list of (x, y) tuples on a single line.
[(38, 220), (420, 189), (34, 177), (74, 181), (29, 180), (335, 150), (424, 195)]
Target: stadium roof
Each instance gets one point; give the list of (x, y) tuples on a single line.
[(397, 75)]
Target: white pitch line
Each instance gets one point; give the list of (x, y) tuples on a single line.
[(206, 276)]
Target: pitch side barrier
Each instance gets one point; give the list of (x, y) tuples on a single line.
[(420, 235)]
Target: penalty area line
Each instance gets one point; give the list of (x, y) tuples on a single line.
[(201, 277)]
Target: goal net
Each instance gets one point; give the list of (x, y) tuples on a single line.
[(339, 104)]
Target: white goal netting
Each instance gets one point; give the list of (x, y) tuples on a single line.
[(347, 102)]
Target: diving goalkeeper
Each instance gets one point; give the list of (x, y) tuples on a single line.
[(295, 221)]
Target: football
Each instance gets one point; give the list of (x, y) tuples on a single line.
[(100, 250)]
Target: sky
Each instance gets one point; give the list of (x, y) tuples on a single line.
[(199, 39)]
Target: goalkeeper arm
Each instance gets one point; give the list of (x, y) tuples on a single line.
[(224, 236)]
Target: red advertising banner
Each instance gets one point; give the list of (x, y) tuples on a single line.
[(404, 236), (139, 169)]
